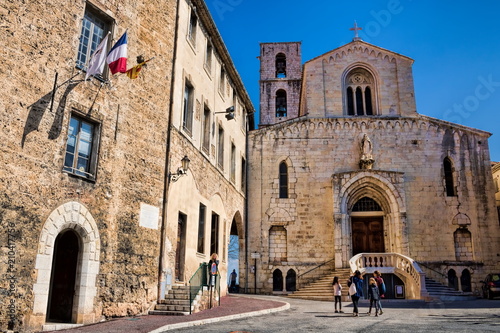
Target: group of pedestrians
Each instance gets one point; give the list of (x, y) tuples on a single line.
[(376, 291)]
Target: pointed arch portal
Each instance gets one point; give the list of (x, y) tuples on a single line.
[(369, 213)]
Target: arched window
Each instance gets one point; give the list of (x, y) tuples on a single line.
[(465, 281), (452, 279), (277, 280), (291, 280), (448, 177), (280, 103), (366, 204), (280, 65), (283, 180), (359, 93)]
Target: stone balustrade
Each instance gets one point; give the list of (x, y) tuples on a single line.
[(404, 267)]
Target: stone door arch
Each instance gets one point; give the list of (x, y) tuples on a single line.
[(384, 187), (75, 217)]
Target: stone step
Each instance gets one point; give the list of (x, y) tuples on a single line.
[(442, 292), (176, 302), (168, 313)]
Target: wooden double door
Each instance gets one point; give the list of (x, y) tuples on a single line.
[(367, 235)]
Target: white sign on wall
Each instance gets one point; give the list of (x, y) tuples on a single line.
[(149, 216)]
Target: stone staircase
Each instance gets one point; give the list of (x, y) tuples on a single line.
[(176, 302), (437, 291), (321, 289)]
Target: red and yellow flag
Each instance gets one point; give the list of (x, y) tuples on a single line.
[(133, 72)]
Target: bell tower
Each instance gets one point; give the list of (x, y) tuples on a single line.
[(280, 82)]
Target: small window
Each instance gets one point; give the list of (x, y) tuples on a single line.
[(233, 163), (283, 180), (95, 26), (201, 229), (206, 130), (497, 186), (448, 177), (281, 103), (222, 82), (214, 234), (208, 57), (187, 117), (243, 174), (280, 65), (220, 149), (193, 23), (81, 148)]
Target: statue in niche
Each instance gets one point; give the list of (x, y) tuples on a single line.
[(367, 160)]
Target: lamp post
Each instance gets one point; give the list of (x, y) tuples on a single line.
[(173, 177), (229, 113)]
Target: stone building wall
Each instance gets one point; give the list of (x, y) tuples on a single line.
[(118, 258), (216, 176), (411, 149)]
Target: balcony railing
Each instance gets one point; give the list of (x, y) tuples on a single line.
[(393, 263)]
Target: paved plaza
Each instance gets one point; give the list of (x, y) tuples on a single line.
[(271, 314)]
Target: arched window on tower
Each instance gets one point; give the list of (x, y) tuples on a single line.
[(280, 103), (448, 177), (359, 93), (280, 65), (283, 180)]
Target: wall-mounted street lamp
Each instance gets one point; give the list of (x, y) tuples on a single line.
[(229, 113), (173, 177)]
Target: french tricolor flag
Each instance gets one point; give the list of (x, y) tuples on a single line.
[(117, 56)]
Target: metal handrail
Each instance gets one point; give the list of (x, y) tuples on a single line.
[(196, 282), (312, 269), (432, 269)]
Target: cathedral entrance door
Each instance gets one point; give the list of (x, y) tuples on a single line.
[(367, 235), (63, 277)]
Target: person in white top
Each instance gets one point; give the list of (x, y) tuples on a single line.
[(337, 293)]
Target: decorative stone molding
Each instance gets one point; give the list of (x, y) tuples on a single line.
[(71, 215)]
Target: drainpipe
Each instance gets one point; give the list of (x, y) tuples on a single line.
[(162, 269)]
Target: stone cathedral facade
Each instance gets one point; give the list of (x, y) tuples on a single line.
[(345, 173)]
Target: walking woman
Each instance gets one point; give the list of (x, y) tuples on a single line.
[(357, 281)]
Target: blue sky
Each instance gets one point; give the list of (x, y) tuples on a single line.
[(455, 45)]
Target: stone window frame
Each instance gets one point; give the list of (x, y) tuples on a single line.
[(192, 28), (278, 230), (220, 147), (362, 77), (280, 65), (188, 103), (281, 103), (283, 177), (90, 171), (205, 133), (96, 24), (209, 55), (449, 177), (232, 175), (202, 219)]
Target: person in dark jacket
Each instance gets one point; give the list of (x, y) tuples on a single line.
[(374, 296), (357, 280)]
